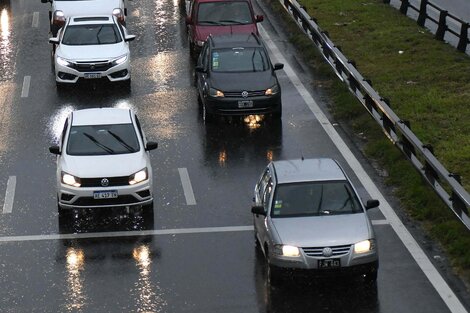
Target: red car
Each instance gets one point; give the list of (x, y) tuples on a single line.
[(218, 17)]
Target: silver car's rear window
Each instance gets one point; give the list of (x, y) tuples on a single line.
[(93, 34), (314, 199), (102, 140)]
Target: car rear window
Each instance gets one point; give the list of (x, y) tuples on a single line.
[(224, 13), (239, 60), (93, 34), (102, 140), (314, 199)]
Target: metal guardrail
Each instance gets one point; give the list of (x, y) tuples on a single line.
[(447, 185), (442, 25)]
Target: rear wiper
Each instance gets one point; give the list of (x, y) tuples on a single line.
[(122, 142), (99, 144)]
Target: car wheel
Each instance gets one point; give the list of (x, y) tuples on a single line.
[(127, 85), (206, 116), (60, 86), (371, 277), (273, 274), (277, 114)]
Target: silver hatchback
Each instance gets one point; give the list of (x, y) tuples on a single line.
[(308, 218)]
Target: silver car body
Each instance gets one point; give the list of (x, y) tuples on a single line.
[(319, 237)]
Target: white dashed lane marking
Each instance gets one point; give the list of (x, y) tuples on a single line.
[(187, 188), (26, 85), (9, 195), (35, 23)]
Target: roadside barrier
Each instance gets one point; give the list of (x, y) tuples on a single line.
[(447, 185), (441, 22)]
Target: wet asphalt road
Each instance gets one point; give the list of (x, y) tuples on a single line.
[(184, 258)]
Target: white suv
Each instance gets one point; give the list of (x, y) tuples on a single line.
[(103, 161), (92, 47), (62, 9)]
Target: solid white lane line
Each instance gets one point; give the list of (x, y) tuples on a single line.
[(380, 222), (35, 19), (187, 188), (26, 84), (9, 195), (128, 233), (445, 292)]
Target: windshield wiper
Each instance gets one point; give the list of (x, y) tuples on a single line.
[(210, 22), (98, 34), (99, 144), (234, 22), (122, 142)]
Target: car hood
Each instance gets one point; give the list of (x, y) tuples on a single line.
[(202, 32), (242, 81), (93, 52), (87, 7), (320, 231), (104, 165)]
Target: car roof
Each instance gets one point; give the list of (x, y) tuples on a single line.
[(94, 19), (298, 170), (235, 40), (103, 116)]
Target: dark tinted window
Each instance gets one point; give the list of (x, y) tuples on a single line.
[(315, 198), (224, 13), (102, 140), (239, 60), (80, 35)]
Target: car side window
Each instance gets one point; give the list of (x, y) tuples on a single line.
[(268, 190), (262, 183), (64, 131), (205, 57)]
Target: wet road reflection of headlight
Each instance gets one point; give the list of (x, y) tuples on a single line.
[(75, 259), (222, 157), (142, 255), (269, 155), (253, 121)]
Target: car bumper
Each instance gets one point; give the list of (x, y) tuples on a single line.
[(82, 197), (350, 271), (67, 75), (231, 106)]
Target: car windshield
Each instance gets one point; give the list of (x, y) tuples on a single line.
[(102, 140), (93, 34), (314, 199), (224, 13), (239, 60)]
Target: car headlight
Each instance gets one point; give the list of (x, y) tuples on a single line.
[(63, 62), (119, 13), (287, 250), (215, 93), (272, 91), (58, 16), (364, 246), (120, 60), (70, 180), (138, 177)]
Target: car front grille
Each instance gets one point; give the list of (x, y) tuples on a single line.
[(238, 94), (92, 66), (318, 251), (113, 181)]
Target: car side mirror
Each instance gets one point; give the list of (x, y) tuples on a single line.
[(188, 20), (54, 150), (372, 204), (54, 40), (278, 66), (151, 145), (199, 69), (129, 38), (258, 209), (259, 18)]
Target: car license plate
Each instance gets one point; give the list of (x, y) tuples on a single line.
[(109, 194), (329, 263), (92, 75), (245, 104)]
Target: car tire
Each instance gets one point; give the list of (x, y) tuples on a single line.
[(60, 86), (370, 278), (277, 114), (273, 274), (127, 85)]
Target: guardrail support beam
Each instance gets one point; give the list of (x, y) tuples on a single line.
[(463, 41), (422, 13), (404, 6), (441, 26)]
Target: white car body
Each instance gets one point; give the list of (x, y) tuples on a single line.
[(91, 170), (92, 61), (61, 10)]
